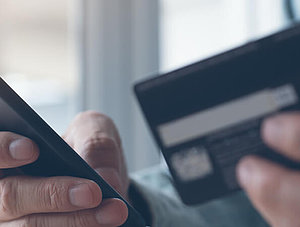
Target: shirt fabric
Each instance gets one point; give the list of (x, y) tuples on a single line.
[(166, 209)]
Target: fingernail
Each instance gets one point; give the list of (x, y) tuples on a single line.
[(272, 130), (81, 195), (21, 149), (245, 172)]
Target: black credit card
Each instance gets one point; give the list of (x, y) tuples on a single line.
[(56, 157), (205, 117)]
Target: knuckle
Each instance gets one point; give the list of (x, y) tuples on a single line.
[(105, 121), (53, 197), (79, 220), (99, 142), (8, 195)]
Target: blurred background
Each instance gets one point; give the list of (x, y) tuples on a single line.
[(67, 56)]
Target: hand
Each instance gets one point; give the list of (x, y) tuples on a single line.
[(55, 201), (95, 138), (274, 189)]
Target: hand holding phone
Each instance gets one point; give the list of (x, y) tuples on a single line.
[(57, 160)]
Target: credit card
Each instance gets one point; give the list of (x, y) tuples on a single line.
[(206, 116)]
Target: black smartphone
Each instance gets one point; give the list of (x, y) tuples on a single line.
[(206, 116), (56, 157)]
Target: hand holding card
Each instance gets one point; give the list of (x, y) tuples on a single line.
[(207, 116)]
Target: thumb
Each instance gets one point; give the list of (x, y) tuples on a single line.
[(273, 190)]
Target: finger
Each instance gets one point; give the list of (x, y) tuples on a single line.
[(95, 138), (273, 190), (103, 154), (87, 124), (111, 176), (20, 196), (282, 133), (100, 151), (111, 213), (16, 150)]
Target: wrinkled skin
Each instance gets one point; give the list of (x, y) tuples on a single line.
[(64, 201)]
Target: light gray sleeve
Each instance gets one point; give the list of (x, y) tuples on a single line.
[(156, 188)]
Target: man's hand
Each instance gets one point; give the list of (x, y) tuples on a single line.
[(96, 139), (63, 201), (273, 189)]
